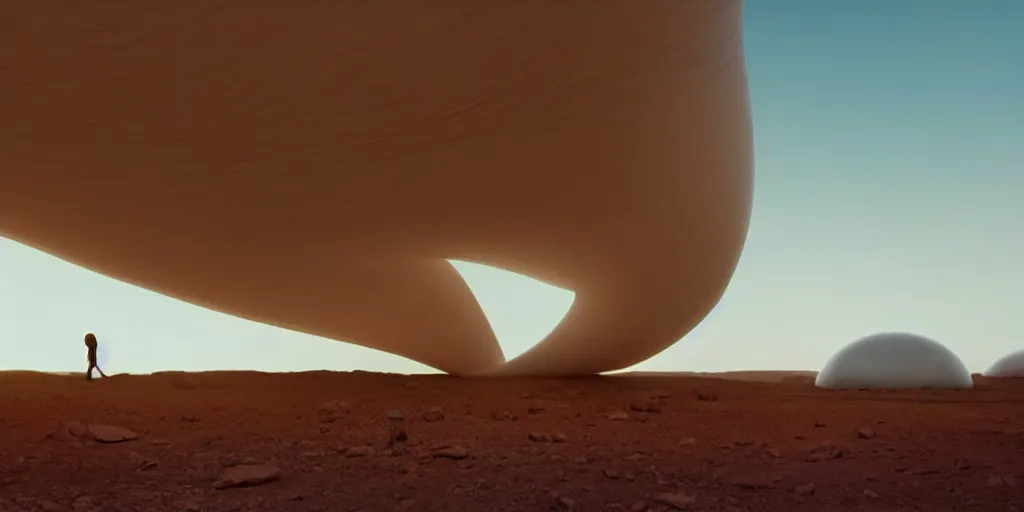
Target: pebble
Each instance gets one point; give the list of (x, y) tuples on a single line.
[(247, 475)]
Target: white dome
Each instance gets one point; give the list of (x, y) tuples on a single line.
[(1010, 365), (894, 360)]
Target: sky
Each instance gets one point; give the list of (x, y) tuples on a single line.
[(889, 143)]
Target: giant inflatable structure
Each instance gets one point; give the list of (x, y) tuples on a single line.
[(313, 165)]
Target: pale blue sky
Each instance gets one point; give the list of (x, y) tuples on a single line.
[(890, 174)]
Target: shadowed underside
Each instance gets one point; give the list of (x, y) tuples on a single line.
[(312, 166)]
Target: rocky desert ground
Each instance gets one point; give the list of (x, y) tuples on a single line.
[(326, 441)]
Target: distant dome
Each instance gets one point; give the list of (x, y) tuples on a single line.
[(894, 360), (1010, 365)]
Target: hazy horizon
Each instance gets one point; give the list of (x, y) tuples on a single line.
[(889, 147)]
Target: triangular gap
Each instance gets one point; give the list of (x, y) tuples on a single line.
[(522, 311)]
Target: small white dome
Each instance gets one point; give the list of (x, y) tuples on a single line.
[(1010, 365), (894, 360)]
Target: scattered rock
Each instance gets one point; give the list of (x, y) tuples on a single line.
[(611, 474), (820, 424), (538, 437), (449, 452), (826, 451), (805, 489), (647, 405), (76, 429), (638, 506), (359, 451), (329, 412), (563, 503), (397, 433), (504, 416), (111, 434), (1001, 481), (688, 441), (247, 475), (962, 464), (660, 393), (865, 432), (535, 409), (871, 494), (618, 416), (753, 481), (188, 506), (559, 438), (678, 501), (707, 395), (52, 506), (434, 415)]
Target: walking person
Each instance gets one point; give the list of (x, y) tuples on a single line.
[(92, 344)]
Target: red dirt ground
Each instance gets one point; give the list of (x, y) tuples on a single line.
[(699, 442)]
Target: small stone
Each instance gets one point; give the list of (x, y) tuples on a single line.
[(559, 438), (359, 451), (450, 452), (188, 506), (434, 415), (688, 441), (660, 393), (707, 396), (329, 412), (820, 424), (865, 432), (651, 406), (962, 464), (1001, 481), (397, 431), (826, 451), (538, 437), (51, 506), (247, 475), (677, 500), (638, 506), (76, 429), (871, 494), (611, 474), (805, 489), (753, 481), (111, 434), (504, 416), (618, 416)]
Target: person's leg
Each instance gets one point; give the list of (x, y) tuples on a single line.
[(88, 373), (103, 375)]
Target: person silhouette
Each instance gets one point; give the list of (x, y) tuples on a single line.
[(92, 344)]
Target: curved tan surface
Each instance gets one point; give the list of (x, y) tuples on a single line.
[(312, 166)]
